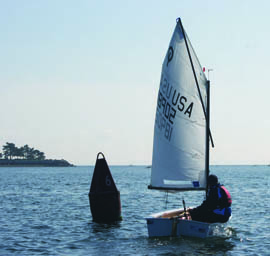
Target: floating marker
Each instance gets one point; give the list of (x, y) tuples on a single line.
[(104, 198)]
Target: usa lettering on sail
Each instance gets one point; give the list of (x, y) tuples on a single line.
[(169, 94), (169, 102)]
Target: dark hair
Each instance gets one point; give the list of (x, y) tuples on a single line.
[(212, 180)]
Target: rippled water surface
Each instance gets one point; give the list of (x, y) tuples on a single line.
[(45, 211)]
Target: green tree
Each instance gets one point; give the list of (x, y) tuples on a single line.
[(9, 150), (38, 155), (31, 154), (41, 156), (25, 151), (18, 152)]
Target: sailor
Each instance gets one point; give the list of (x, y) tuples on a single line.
[(216, 207)]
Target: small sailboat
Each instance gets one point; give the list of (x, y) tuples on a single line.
[(104, 198), (180, 160)]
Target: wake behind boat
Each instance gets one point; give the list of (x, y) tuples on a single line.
[(180, 159)]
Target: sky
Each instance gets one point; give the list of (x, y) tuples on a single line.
[(80, 77)]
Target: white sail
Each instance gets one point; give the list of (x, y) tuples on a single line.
[(179, 148)]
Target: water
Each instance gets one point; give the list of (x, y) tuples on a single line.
[(45, 211)]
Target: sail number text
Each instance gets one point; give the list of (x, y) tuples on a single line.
[(170, 101)]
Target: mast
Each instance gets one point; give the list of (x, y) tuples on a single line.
[(207, 155), (205, 111), (196, 80)]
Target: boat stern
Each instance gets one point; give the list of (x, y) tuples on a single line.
[(166, 224), (158, 227)]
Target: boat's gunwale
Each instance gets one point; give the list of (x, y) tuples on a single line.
[(158, 215)]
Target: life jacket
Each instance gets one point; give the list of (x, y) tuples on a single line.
[(224, 201)]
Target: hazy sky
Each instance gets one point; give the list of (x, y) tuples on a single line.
[(79, 77)]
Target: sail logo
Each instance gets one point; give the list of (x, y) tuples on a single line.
[(170, 55)]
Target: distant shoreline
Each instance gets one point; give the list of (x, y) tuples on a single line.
[(34, 163)]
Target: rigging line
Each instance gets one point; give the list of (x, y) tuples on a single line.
[(184, 205), (207, 136), (194, 73), (166, 199)]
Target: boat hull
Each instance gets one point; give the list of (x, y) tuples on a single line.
[(166, 224)]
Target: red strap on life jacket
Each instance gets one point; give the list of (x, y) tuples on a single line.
[(228, 195)]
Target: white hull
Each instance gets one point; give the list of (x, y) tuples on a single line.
[(167, 224)]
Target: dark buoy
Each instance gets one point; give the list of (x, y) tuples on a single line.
[(104, 198)]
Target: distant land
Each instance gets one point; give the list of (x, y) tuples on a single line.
[(34, 163), (27, 156)]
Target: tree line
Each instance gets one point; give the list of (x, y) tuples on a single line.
[(10, 151)]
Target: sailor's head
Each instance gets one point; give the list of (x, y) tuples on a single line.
[(212, 180)]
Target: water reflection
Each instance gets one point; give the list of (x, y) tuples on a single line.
[(103, 227), (218, 244), (190, 246)]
